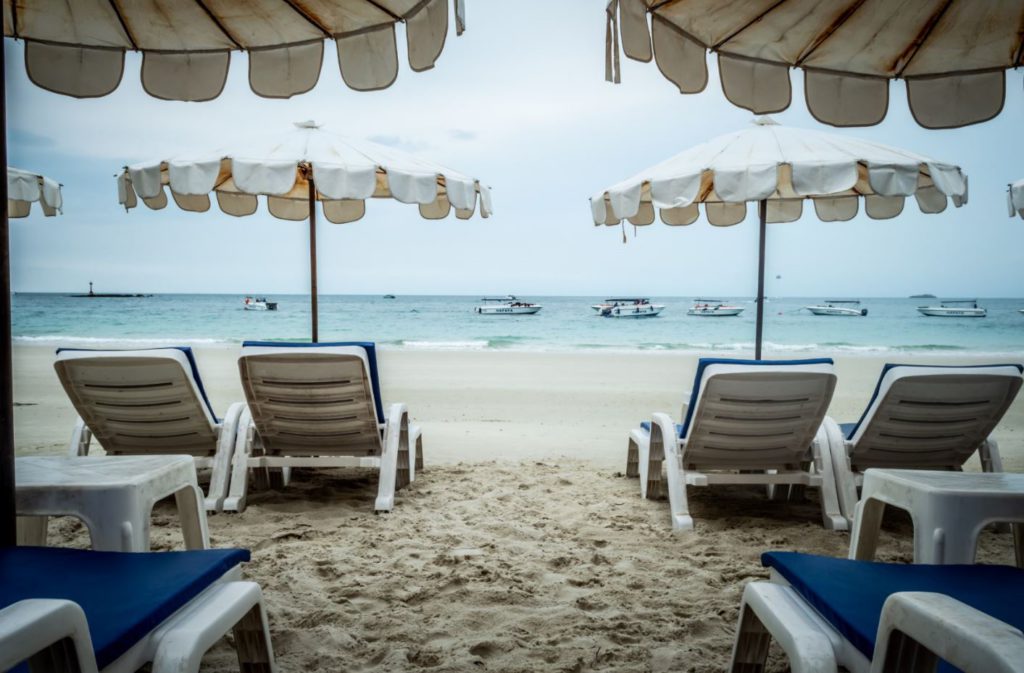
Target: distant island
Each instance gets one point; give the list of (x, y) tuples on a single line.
[(923, 296), (99, 295)]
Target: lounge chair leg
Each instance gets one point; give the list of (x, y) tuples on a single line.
[(991, 461), (632, 459), (238, 486), (220, 474), (771, 611), (31, 531), (656, 488), (822, 459), (397, 431), (81, 437), (842, 472), (276, 478), (252, 642), (419, 453), (750, 650)]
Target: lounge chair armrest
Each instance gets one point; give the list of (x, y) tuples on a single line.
[(54, 629), (663, 422), (957, 633)]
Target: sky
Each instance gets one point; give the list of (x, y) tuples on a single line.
[(519, 101)]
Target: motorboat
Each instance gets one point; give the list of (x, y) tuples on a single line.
[(508, 305), (258, 304), (955, 308), (848, 307), (713, 308), (389, 296), (628, 307)]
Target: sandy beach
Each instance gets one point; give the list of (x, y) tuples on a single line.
[(522, 546)]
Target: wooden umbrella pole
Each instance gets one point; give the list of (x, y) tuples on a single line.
[(7, 508), (762, 212), (312, 258)]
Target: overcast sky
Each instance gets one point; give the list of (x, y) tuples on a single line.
[(520, 102)]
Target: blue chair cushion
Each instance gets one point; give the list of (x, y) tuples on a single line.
[(704, 363), (371, 357), (850, 594), (124, 595), (646, 427), (849, 429), (187, 350)]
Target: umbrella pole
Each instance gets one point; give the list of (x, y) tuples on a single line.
[(312, 258), (762, 213), (7, 507)]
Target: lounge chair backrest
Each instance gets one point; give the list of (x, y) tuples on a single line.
[(756, 414), (311, 399), (931, 416), (140, 401)]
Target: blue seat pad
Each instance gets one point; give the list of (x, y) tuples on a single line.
[(646, 427), (371, 357), (850, 594), (124, 595), (187, 350)]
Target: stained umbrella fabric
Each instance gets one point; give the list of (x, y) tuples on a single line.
[(296, 169), (780, 168), (25, 188), (78, 48), (952, 54), (1015, 198)]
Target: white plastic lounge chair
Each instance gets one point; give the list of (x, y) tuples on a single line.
[(152, 401), (318, 405), (923, 417), (72, 610), (828, 613), (747, 422)]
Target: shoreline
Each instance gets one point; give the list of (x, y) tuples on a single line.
[(501, 405), (737, 350)]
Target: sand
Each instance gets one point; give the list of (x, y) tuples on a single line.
[(522, 546)]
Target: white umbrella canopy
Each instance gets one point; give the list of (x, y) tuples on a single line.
[(295, 170), (345, 172), (1015, 198), (952, 54), (25, 188), (77, 48), (779, 167)]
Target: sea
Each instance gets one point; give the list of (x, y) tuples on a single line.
[(448, 323)]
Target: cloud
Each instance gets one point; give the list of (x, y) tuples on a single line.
[(462, 134), (400, 142)]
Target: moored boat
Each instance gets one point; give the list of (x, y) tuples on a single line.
[(628, 307), (955, 308), (509, 305), (713, 308), (846, 307), (258, 304)]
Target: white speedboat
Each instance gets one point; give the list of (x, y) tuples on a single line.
[(713, 308), (849, 307), (628, 307), (506, 306), (258, 304), (960, 308)]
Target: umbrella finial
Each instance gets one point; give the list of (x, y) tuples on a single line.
[(764, 120), (308, 124)]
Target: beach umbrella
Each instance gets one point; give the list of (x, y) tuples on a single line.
[(25, 188), (293, 171), (952, 54), (77, 49), (1015, 198), (778, 168)]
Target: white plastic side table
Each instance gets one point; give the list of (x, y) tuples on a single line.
[(949, 510), (113, 495)]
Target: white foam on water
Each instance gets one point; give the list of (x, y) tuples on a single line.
[(473, 345)]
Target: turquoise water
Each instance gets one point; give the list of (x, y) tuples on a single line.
[(565, 323)]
